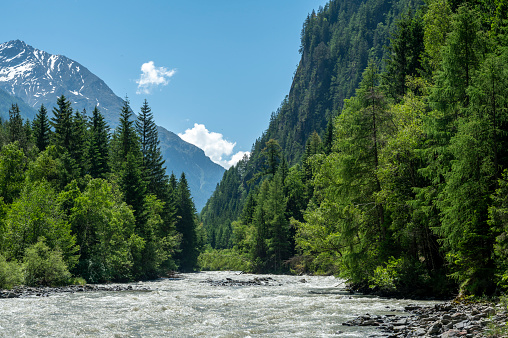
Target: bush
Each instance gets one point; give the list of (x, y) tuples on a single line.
[(10, 274), (226, 259), (43, 266)]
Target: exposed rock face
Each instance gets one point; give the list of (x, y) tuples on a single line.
[(441, 320)]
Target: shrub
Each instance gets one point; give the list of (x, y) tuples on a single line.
[(43, 266), (226, 259), (10, 274)]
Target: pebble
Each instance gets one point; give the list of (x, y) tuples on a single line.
[(443, 320)]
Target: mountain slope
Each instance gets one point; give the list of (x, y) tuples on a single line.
[(6, 101), (37, 77), (336, 45)]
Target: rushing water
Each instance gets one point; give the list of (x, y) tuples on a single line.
[(190, 307)]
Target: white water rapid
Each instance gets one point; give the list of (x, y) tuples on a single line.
[(291, 306)]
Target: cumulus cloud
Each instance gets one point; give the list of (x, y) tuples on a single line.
[(152, 77), (213, 144)]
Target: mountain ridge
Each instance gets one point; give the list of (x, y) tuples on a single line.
[(31, 77)]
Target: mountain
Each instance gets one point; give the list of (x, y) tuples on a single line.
[(6, 102), (337, 42), (31, 77)]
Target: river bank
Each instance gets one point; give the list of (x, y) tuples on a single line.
[(45, 291), (445, 320)]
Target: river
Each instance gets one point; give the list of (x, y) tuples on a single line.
[(290, 306)]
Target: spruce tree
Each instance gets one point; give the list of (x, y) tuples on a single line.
[(186, 226), (79, 138), (406, 49), (62, 124), (126, 161), (98, 146), (278, 244), (153, 164), (16, 129), (41, 128), (125, 139)]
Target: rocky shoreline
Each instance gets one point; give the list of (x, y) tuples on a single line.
[(27, 291), (441, 320)]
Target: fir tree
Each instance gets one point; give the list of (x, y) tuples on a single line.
[(41, 129), (153, 163), (62, 123), (186, 226), (98, 146), (17, 131)]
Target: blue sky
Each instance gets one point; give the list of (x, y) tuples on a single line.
[(212, 70)]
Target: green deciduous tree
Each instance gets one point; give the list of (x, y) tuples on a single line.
[(37, 213), (104, 228)]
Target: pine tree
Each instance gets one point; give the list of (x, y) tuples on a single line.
[(259, 251), (186, 226), (16, 129), (126, 162), (41, 128), (153, 163), (98, 146), (125, 139), (406, 49), (63, 124), (479, 154), (278, 244), (79, 138)]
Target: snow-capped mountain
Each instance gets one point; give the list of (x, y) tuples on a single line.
[(37, 77)]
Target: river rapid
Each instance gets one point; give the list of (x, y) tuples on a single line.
[(192, 306)]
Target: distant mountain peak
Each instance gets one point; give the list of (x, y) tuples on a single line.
[(37, 77)]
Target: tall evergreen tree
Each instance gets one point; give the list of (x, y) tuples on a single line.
[(186, 226), (153, 163), (62, 123), (17, 131), (278, 243), (79, 138), (406, 49), (41, 128), (98, 146), (125, 139)]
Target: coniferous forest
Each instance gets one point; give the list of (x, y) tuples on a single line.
[(387, 163), (79, 203)]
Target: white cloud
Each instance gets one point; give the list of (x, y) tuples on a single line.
[(237, 157), (152, 77), (213, 144)]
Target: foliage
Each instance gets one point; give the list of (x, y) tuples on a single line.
[(226, 259), (11, 273), (74, 200), (43, 266)]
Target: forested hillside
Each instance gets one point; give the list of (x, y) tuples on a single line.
[(336, 44), (405, 189), (77, 202)]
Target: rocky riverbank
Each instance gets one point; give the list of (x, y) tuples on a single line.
[(27, 291), (441, 320)]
